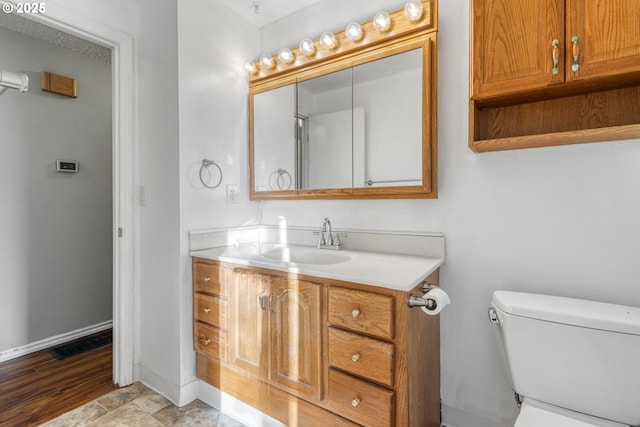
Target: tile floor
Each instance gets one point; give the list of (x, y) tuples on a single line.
[(137, 405)]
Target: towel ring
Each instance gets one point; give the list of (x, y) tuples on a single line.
[(280, 172), (205, 165)]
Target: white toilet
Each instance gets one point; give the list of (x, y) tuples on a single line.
[(573, 363)]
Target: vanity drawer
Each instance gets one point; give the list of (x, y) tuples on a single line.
[(366, 357), (360, 401), (210, 341), (210, 279), (211, 310), (361, 311)]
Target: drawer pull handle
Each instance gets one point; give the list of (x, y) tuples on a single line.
[(206, 279), (355, 313), (355, 357), (355, 402), (207, 310), (205, 340)]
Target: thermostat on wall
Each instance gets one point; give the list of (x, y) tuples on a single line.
[(66, 166)]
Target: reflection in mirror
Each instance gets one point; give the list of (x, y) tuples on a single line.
[(389, 92), (324, 123), (274, 139)]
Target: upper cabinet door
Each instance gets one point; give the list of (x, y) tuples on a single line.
[(514, 45), (607, 37)]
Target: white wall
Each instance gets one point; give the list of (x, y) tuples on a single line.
[(213, 44), (160, 312), (56, 245), (560, 220)]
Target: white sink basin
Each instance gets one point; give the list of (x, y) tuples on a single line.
[(305, 255)]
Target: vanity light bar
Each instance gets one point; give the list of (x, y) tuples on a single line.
[(416, 15)]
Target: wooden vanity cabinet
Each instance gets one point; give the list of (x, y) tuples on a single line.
[(316, 352), (551, 72)]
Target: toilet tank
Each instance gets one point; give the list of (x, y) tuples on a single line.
[(576, 354)]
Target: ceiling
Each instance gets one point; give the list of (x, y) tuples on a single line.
[(267, 10), (257, 12), (42, 32)]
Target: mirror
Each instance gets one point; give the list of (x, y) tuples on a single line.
[(362, 128), (325, 131), (274, 166), (388, 94)]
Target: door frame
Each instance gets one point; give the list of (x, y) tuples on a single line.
[(124, 149)]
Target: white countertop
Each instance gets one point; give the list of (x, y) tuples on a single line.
[(399, 272)]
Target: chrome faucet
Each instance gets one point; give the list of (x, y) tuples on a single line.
[(328, 242)]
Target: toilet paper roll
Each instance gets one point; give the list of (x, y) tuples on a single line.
[(440, 298)]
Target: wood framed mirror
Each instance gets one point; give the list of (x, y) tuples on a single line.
[(355, 123)]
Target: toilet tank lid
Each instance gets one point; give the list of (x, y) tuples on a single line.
[(570, 311)]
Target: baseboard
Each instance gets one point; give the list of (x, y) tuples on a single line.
[(453, 417), (178, 395), (14, 353), (233, 407)]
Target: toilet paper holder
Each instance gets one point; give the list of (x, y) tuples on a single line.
[(428, 303)]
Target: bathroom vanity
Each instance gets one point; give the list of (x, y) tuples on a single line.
[(319, 341)]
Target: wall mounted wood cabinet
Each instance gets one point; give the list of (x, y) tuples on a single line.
[(309, 351), (552, 72)]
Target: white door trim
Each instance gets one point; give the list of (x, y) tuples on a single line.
[(125, 214)]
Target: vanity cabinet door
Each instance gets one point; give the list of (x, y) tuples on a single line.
[(295, 307), (249, 321)]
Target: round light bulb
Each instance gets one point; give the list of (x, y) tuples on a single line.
[(307, 47), (267, 62), (285, 55), (354, 32), (382, 21), (328, 40), (250, 67), (413, 10)]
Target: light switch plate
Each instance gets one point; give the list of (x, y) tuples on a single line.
[(232, 194)]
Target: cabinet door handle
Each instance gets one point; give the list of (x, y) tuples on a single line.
[(205, 340), (556, 56), (355, 313), (355, 357), (271, 303), (576, 54), (206, 279), (206, 310), (261, 300), (355, 402)]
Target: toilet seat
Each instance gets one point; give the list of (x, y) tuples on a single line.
[(538, 414)]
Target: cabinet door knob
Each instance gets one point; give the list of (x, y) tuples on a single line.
[(355, 402), (355, 313), (206, 279), (355, 357), (207, 310), (556, 56), (205, 340)]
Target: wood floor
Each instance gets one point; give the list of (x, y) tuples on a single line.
[(37, 387)]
